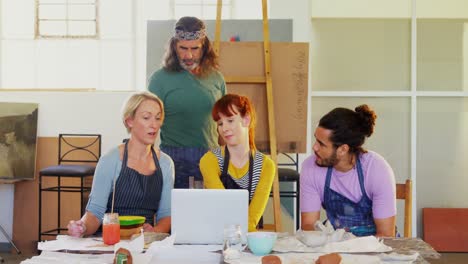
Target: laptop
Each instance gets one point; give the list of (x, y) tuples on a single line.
[(198, 216)]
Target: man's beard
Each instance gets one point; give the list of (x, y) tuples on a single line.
[(328, 162), (192, 67)]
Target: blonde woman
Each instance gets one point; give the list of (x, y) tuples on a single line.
[(143, 175)]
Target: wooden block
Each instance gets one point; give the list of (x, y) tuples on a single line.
[(446, 229)]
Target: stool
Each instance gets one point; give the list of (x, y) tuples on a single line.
[(73, 148)]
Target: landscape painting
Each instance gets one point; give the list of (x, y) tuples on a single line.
[(18, 138)]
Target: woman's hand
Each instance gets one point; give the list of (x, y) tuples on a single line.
[(148, 228), (76, 228)]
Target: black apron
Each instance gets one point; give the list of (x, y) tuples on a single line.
[(227, 181), (135, 193)]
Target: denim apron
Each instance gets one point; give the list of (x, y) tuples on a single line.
[(135, 193), (354, 217)]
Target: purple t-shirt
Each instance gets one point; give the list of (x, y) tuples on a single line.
[(379, 183)]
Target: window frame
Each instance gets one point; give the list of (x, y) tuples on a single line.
[(201, 5), (67, 20)]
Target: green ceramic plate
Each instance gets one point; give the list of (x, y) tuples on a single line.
[(127, 220)]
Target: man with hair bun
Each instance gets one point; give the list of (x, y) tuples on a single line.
[(189, 84), (356, 187)]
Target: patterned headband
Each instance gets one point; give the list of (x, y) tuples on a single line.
[(183, 35)]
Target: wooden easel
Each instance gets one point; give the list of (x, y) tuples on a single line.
[(269, 92), (5, 234)]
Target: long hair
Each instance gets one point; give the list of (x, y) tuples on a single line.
[(208, 60), (350, 127), (225, 105)]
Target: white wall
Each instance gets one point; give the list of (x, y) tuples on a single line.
[(106, 63), (76, 112), (6, 209)]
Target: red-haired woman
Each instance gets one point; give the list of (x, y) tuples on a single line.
[(238, 164)]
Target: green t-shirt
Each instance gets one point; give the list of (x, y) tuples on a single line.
[(188, 101)]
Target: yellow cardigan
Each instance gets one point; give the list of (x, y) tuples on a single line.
[(211, 176)]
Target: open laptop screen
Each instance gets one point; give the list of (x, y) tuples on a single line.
[(198, 216)]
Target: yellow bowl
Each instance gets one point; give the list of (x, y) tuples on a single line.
[(127, 220), (130, 225), (127, 233)]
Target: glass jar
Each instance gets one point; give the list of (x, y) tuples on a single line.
[(111, 228)]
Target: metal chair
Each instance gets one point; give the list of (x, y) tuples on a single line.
[(404, 192), (286, 174), (73, 151)]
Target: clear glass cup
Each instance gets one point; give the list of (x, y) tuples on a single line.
[(111, 228), (234, 242)]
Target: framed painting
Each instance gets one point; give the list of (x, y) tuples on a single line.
[(18, 138)]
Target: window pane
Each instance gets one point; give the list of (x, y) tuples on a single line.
[(391, 136), (81, 1), (52, 1), (188, 2), (215, 2), (81, 28), (442, 150), (442, 8), (52, 12), (187, 10), (52, 28), (82, 12), (361, 8), (442, 54), (209, 12), (360, 54)]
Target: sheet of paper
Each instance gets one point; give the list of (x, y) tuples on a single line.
[(186, 255), (306, 258), (64, 242), (369, 244), (135, 246), (48, 257)]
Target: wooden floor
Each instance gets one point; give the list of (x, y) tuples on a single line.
[(455, 258)]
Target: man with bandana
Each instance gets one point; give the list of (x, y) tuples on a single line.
[(189, 84)]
